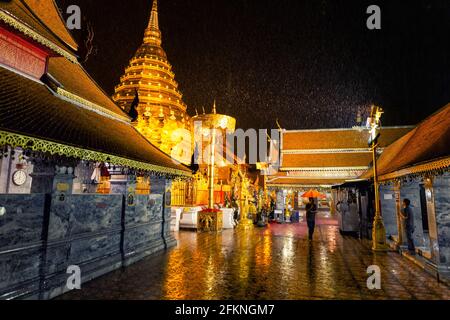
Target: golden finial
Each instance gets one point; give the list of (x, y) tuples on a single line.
[(203, 110), (214, 107), (153, 22), (196, 112)]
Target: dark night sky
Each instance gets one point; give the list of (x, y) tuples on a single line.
[(310, 63)]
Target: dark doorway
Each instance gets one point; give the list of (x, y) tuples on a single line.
[(423, 208)]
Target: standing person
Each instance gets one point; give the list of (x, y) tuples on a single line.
[(408, 217), (311, 209), (342, 210), (338, 206), (272, 209), (354, 216)]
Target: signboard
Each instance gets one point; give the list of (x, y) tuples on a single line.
[(62, 187)]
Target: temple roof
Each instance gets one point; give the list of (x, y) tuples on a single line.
[(42, 17), (66, 112), (315, 176), (429, 141), (291, 182), (326, 160), (338, 138), (35, 15), (29, 108), (76, 80), (332, 148), (49, 14), (328, 156)]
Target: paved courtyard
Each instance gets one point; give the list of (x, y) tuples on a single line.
[(276, 262)]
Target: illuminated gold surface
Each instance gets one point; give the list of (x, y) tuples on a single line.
[(215, 120), (212, 125), (104, 186), (209, 221), (161, 109), (179, 193), (243, 184), (142, 185), (378, 229), (211, 170)]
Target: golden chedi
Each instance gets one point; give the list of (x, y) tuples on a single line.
[(149, 86)]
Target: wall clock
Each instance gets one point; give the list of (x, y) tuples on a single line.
[(19, 177)]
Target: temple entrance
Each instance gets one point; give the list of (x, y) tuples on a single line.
[(424, 209), (426, 251)]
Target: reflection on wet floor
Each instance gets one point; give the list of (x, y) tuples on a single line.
[(276, 262)]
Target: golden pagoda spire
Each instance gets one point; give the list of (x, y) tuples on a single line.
[(153, 23), (150, 73), (152, 33)]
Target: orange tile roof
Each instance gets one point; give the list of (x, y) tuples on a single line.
[(46, 12), (329, 148), (29, 108), (293, 181), (428, 141), (89, 120), (338, 138), (76, 80), (326, 160)]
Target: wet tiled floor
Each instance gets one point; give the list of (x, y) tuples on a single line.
[(277, 262)]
